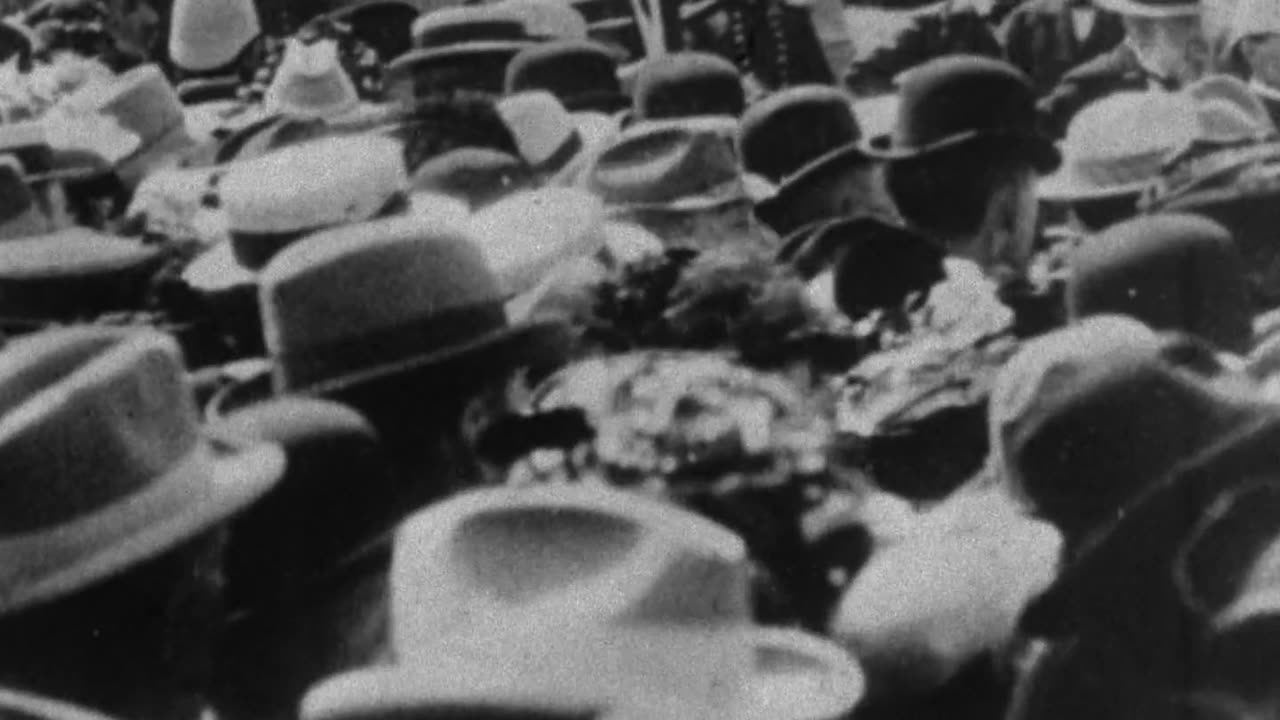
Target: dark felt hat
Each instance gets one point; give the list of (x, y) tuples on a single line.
[(688, 84), (582, 74), (793, 127), (957, 99), (385, 25), (1171, 271)]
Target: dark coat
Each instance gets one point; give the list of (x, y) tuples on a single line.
[(1112, 72), (1040, 39)]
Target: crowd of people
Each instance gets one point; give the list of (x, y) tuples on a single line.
[(492, 361)]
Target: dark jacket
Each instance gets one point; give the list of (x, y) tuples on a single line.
[(1040, 39), (1112, 72)]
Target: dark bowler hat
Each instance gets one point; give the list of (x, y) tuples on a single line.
[(581, 73), (688, 84), (1172, 272), (74, 274), (790, 128), (958, 99)]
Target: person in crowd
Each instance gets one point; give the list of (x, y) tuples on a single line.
[(1048, 38), (1255, 40), (114, 532), (1173, 272), (1164, 48), (964, 159)]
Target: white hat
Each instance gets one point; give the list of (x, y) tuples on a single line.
[(525, 236), (311, 82), (1119, 144), (545, 133), (207, 34), (331, 181), (565, 590)]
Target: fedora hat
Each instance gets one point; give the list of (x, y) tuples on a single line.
[(311, 82), (1152, 8), (476, 176), (583, 74), (314, 185), (464, 585), (74, 274), (687, 83), (526, 236), (20, 213), (144, 104), (667, 167), (365, 305), (957, 99), (790, 128), (210, 34), (121, 472), (1119, 145), (544, 131)]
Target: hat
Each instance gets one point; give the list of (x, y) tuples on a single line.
[(383, 300), (652, 596), (581, 73), (338, 494), (956, 99), (469, 67), (478, 176), (1229, 111), (667, 167), (688, 83), (468, 25), (548, 19), (208, 34), (65, 147), (314, 185), (143, 103), (74, 274), (385, 25), (545, 133), (1119, 144), (1252, 17), (844, 182), (1152, 8), (525, 236), (23, 706), (117, 470), (1171, 271), (311, 82), (790, 128)]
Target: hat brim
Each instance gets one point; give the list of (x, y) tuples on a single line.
[(1065, 187), (795, 676), (1133, 8), (215, 481), (1045, 155)]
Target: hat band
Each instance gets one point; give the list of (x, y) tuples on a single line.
[(1118, 171), (562, 156), (432, 335)]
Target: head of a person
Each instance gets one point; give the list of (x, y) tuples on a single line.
[(1168, 36), (113, 580), (1084, 419), (1173, 272), (1256, 38), (964, 157)]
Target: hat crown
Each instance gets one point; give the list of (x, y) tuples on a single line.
[(207, 34), (569, 69), (663, 164), (311, 82), (563, 556), (87, 418), (688, 84), (962, 96), (787, 130), (373, 294)]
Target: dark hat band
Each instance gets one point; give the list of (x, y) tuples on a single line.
[(427, 336), (563, 155)]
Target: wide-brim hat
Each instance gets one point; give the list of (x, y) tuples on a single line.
[(598, 672), (1152, 8)]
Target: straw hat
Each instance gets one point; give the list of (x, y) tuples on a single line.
[(311, 82), (550, 589), (527, 236), (124, 473), (1119, 144), (208, 34)]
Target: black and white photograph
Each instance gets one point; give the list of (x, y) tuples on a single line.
[(639, 359)]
